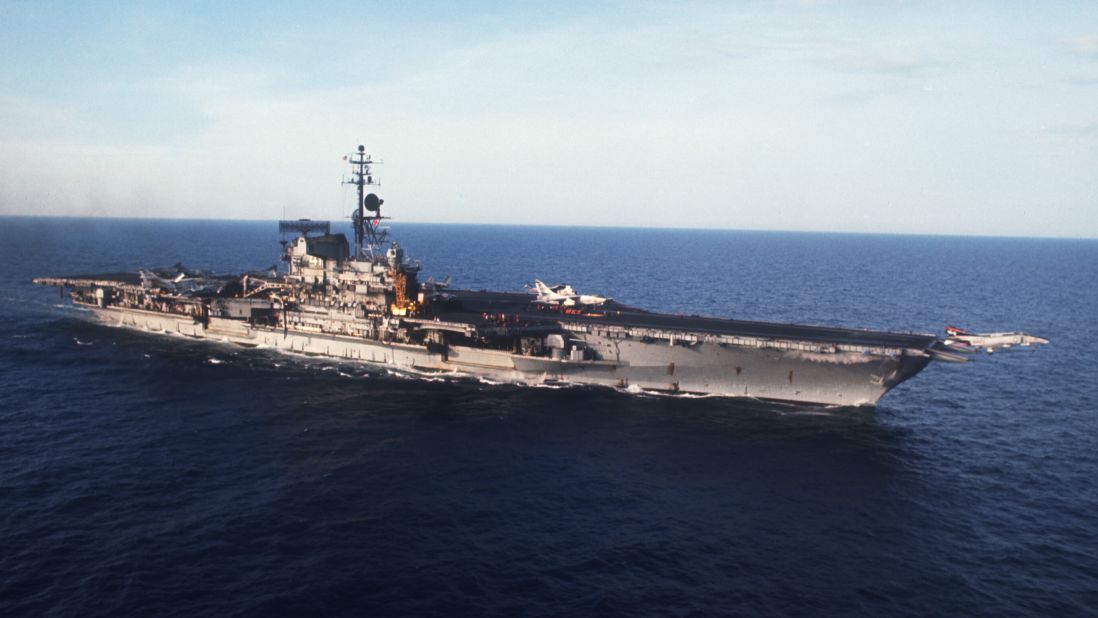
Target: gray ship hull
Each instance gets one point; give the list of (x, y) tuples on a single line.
[(674, 361)]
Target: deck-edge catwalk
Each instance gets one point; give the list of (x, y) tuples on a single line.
[(365, 303)]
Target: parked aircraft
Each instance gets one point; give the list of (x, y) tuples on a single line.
[(563, 294), (990, 341)]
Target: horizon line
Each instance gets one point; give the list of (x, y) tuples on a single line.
[(574, 226)]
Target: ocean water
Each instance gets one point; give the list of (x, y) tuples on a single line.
[(150, 475)]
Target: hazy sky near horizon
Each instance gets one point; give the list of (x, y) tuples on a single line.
[(964, 118)]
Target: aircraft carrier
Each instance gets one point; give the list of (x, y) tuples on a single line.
[(364, 302)]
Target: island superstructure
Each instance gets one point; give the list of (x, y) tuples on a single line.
[(364, 302)]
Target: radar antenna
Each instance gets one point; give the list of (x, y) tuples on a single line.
[(367, 214)]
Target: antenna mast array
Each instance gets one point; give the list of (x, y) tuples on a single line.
[(367, 214)]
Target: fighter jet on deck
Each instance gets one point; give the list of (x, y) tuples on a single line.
[(563, 294), (150, 279), (989, 341)]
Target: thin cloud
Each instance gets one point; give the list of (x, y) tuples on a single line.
[(26, 113), (914, 65), (1080, 80), (1085, 46), (1075, 131)]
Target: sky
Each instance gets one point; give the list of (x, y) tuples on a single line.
[(891, 117)]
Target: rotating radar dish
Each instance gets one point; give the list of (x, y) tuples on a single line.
[(372, 202)]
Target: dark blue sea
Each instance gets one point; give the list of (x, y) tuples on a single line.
[(149, 475)]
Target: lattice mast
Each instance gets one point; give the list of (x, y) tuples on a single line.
[(367, 214)]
